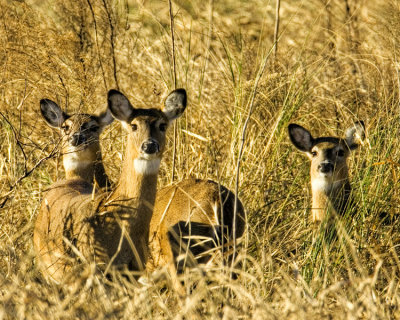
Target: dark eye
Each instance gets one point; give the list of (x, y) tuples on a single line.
[(314, 153), (134, 127), (163, 126), (340, 153), (65, 127), (94, 128)]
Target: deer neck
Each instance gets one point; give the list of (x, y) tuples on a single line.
[(328, 197), (89, 168), (100, 173), (125, 214), (138, 180)]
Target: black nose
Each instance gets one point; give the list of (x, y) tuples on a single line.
[(77, 139), (325, 167), (150, 147)]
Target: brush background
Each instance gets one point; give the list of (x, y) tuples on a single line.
[(337, 62)]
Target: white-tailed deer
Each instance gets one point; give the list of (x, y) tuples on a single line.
[(191, 219), (193, 208), (75, 224), (80, 145), (329, 172)]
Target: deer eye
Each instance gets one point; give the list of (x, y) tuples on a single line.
[(314, 153), (134, 127), (65, 127), (94, 128), (340, 153), (163, 127)]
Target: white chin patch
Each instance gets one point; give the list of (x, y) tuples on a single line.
[(146, 167), (325, 184), (321, 183), (325, 175), (74, 164)]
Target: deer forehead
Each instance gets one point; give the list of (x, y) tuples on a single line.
[(151, 114), (146, 119), (79, 122), (143, 124), (329, 149), (149, 120)]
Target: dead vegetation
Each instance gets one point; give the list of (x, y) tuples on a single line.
[(337, 62)]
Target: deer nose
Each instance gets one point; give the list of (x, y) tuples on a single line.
[(77, 139), (325, 167), (150, 147)]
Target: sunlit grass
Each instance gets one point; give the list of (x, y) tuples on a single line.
[(333, 67)]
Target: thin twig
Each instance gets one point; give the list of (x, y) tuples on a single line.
[(276, 32), (27, 172), (112, 40), (174, 152), (25, 175), (171, 16), (208, 46), (66, 92), (19, 144), (97, 44)]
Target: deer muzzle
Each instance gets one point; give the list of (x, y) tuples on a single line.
[(326, 167), (150, 146)]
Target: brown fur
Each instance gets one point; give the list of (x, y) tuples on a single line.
[(200, 208), (76, 224), (331, 190), (80, 146), (197, 201), (86, 155), (333, 198)]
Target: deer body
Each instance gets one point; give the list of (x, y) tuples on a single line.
[(76, 224), (193, 207), (329, 171), (92, 169), (198, 208)]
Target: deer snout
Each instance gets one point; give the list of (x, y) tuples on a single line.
[(325, 167), (150, 146), (77, 139)]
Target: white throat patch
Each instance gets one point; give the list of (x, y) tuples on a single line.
[(146, 167), (71, 164), (324, 184), (320, 184)]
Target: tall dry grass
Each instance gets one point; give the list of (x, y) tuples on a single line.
[(337, 62)]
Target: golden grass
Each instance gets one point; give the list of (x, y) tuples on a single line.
[(337, 62)]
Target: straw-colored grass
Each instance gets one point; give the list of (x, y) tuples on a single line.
[(337, 62)]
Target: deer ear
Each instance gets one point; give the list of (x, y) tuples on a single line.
[(175, 104), (355, 135), (105, 118), (300, 137), (119, 106), (52, 113)]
